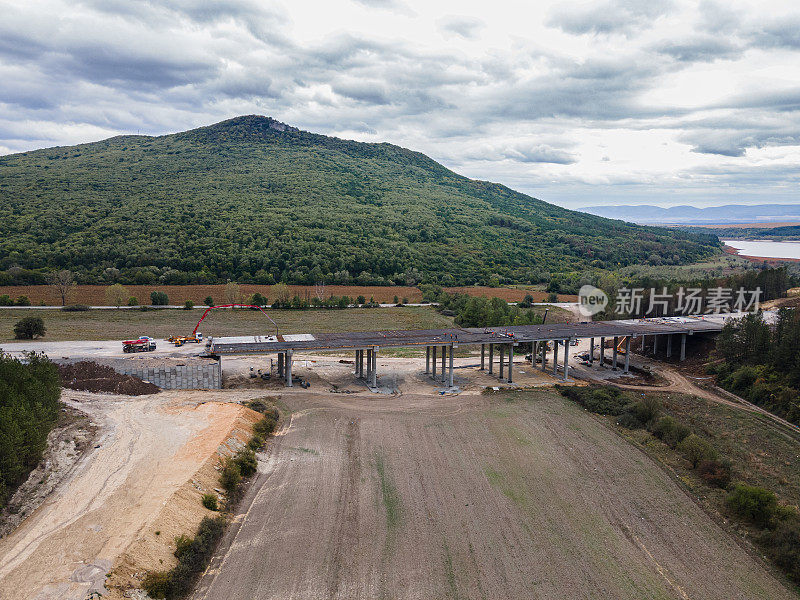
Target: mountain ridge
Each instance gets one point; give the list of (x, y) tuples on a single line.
[(257, 200)]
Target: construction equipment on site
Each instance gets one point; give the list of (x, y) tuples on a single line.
[(621, 345), (197, 337), (142, 344)]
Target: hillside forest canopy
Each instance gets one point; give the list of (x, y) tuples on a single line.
[(254, 201)]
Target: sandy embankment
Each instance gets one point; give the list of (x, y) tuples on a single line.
[(156, 456)]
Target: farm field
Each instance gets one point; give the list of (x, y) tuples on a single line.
[(508, 495), (123, 324), (95, 295)]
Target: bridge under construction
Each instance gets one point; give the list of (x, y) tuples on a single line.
[(440, 344)]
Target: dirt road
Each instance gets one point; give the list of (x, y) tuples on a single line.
[(500, 496), (149, 446)]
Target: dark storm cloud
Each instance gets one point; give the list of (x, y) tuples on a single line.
[(609, 17)]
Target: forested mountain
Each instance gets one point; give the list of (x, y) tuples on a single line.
[(251, 199)]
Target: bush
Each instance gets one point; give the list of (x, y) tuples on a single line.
[(231, 477), (696, 449), (75, 308), (159, 299), (715, 472), (604, 400), (645, 410), (629, 421), (29, 328), (208, 301), (5, 300), (193, 557), (256, 442), (133, 301), (246, 461), (360, 300), (265, 426), (752, 503), (210, 501), (22, 301), (188, 305), (782, 545)]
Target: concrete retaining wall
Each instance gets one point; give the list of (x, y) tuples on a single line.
[(178, 377)]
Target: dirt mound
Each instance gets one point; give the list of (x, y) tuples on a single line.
[(92, 377)]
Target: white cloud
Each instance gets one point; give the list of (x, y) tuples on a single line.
[(576, 103)]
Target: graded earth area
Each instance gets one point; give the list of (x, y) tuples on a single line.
[(501, 495)]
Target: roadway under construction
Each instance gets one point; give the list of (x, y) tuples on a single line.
[(440, 343)]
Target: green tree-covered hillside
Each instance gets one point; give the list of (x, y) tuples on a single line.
[(253, 200)]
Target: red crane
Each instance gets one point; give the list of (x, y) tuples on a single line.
[(194, 331)]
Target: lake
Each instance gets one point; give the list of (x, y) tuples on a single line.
[(766, 248)]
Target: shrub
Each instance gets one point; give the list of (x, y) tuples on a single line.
[(29, 328), (670, 431), (361, 300), (159, 298), (208, 301), (645, 410), (255, 442), (75, 308), (246, 461), (265, 426), (5, 300), (696, 449), (752, 503), (231, 477), (715, 472), (629, 421), (210, 501), (782, 545), (133, 301), (188, 305), (22, 301)]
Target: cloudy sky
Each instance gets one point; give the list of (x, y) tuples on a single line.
[(577, 103)]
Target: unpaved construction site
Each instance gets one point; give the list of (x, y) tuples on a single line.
[(411, 489)]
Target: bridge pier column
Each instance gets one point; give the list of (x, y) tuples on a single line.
[(483, 357), (591, 351), (500, 351), (491, 359), (655, 345), (450, 375), (280, 364), (683, 347), (444, 364), (374, 377), (566, 358), (614, 354), (427, 359), (288, 368), (555, 358), (669, 345), (544, 355), (602, 352), (511, 363), (644, 336), (627, 354), (433, 362)]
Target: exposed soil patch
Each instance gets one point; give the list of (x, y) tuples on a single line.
[(92, 377), (69, 439)]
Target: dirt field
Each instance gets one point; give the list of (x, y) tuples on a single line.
[(124, 324), (148, 449), (95, 295), (510, 495)]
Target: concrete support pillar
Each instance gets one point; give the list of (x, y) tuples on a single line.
[(369, 365), (427, 359), (491, 359), (450, 375), (566, 359), (483, 357), (602, 352), (644, 336), (669, 345), (444, 364), (280, 364), (501, 351), (628, 354), (355, 364), (511, 363), (433, 363), (555, 357), (288, 368), (544, 355), (655, 345), (374, 379), (614, 354), (683, 347), (361, 363), (591, 351)]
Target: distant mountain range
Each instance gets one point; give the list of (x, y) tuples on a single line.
[(730, 213)]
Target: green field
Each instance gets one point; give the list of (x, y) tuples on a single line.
[(120, 324)]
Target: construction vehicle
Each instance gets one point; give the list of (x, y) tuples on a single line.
[(142, 344), (196, 337), (180, 340)]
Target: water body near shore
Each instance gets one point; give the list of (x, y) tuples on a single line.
[(766, 248)]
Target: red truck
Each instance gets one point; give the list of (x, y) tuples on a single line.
[(143, 344)]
